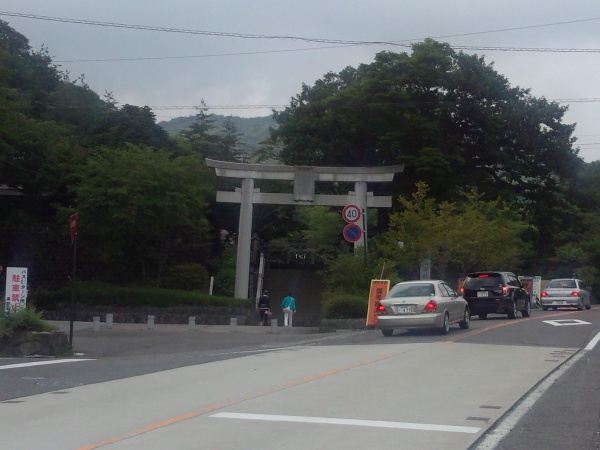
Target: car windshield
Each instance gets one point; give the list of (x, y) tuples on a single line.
[(566, 284), (412, 290), (477, 282)]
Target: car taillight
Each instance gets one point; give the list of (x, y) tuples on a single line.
[(574, 294), (462, 290), (431, 306), (380, 309), (504, 290), (544, 294)]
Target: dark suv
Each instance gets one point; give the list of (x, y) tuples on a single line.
[(495, 293)]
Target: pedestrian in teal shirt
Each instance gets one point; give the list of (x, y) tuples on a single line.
[(289, 308)]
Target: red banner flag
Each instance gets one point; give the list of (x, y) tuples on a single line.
[(73, 226)]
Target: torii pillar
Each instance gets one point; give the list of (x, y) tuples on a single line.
[(304, 178)]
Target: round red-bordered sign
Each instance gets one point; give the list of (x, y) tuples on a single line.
[(351, 213), (352, 232)]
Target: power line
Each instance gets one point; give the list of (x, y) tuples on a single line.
[(405, 43), (213, 55), (174, 107), (198, 56)]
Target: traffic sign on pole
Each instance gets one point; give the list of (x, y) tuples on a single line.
[(352, 232), (351, 213)]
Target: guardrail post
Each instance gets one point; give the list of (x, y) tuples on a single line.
[(191, 323), (150, 322), (109, 321), (233, 324)]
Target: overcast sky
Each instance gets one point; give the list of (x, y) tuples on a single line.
[(167, 69)]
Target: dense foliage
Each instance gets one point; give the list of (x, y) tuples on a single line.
[(145, 200)]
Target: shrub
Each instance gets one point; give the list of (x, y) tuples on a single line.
[(26, 319), (187, 277), (345, 306)]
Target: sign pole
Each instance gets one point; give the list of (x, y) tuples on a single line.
[(73, 227)]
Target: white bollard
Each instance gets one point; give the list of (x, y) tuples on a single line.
[(233, 324), (96, 323), (274, 328), (109, 321), (150, 322), (191, 323)]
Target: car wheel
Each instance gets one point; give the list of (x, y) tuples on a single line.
[(446, 325), (580, 307), (554, 308), (527, 311), (545, 308), (588, 306), (387, 332), (464, 324), (482, 316), (512, 310)]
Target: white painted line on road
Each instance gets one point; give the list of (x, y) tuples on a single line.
[(593, 342), (566, 322), (353, 422), (42, 363)]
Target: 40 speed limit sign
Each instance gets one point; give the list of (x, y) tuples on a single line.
[(351, 213)]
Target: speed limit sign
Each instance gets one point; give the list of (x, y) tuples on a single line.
[(351, 213)]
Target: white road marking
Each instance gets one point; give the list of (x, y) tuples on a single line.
[(593, 342), (353, 422), (566, 322), (42, 363)]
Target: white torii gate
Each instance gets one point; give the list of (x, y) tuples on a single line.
[(304, 178)]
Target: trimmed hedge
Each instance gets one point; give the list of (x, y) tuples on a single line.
[(96, 293), (345, 306)]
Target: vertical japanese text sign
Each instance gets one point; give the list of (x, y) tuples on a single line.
[(379, 289), (16, 288)]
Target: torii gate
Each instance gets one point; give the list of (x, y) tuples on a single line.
[(304, 178)]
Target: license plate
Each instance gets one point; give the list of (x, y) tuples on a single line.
[(403, 309), (557, 302), (482, 293)]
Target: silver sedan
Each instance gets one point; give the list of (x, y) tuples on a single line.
[(422, 304), (569, 292)]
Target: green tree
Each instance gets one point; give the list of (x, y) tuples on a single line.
[(471, 235), (452, 120), (229, 146), (141, 212)]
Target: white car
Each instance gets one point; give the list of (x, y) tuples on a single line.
[(565, 292), (422, 304)]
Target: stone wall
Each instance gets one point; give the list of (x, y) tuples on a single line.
[(29, 343)]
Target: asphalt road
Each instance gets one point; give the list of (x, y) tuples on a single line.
[(528, 383)]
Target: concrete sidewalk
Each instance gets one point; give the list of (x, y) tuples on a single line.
[(141, 339)]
